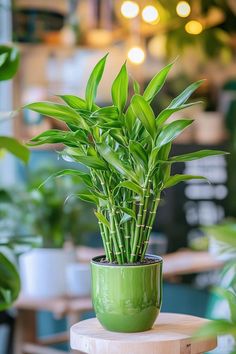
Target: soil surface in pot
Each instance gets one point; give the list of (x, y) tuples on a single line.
[(147, 260)]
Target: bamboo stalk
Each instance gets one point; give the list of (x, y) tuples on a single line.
[(146, 200), (121, 244), (113, 236), (151, 218), (104, 241)]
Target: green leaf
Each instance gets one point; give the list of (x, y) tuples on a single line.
[(94, 79), (53, 136), (114, 160), (130, 120), (196, 155), (166, 113), (58, 111), (15, 148), (91, 161), (231, 299), (88, 197), (136, 87), (144, 113), (217, 327), (139, 153), (173, 180), (225, 233), (3, 58), (119, 90), (106, 113), (125, 218), (171, 131), (129, 212), (159, 155), (117, 136), (131, 186), (102, 219), (74, 101), (184, 96), (85, 177), (156, 83), (9, 282), (9, 62)]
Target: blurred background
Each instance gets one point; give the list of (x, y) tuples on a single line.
[(57, 43)]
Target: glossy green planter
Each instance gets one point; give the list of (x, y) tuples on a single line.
[(127, 298)]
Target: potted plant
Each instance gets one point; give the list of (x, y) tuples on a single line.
[(61, 224), (126, 151)]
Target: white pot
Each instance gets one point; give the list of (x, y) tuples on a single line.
[(43, 271), (78, 279)]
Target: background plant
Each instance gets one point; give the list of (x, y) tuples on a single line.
[(9, 277), (225, 235), (47, 211), (126, 150)]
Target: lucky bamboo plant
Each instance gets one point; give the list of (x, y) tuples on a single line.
[(126, 151)]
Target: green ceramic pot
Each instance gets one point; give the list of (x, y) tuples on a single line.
[(127, 298)]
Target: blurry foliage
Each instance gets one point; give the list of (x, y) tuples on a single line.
[(44, 209), (9, 277), (214, 40), (225, 234)]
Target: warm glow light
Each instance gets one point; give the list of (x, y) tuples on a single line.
[(129, 9), (193, 27), (183, 9), (136, 55), (150, 14)]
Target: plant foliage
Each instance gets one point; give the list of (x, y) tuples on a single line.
[(125, 148), (9, 277)]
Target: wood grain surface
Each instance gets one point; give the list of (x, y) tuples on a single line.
[(171, 334)]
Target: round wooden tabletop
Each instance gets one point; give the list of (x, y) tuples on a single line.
[(171, 334)]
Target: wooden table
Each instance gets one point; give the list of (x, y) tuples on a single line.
[(175, 264), (171, 334), (26, 340)]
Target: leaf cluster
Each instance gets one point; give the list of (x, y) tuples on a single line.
[(126, 149)]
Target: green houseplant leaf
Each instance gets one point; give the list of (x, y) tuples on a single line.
[(171, 131), (138, 153), (144, 113), (196, 155), (113, 159), (156, 83), (132, 186), (74, 101), (166, 113), (9, 62), (9, 282), (184, 96), (173, 180), (119, 89), (3, 58), (102, 219), (94, 79), (14, 147), (58, 111)]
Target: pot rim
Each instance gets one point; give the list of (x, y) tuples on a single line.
[(157, 259)]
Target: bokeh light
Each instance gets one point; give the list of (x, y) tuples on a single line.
[(136, 55), (193, 27), (129, 9), (183, 9), (150, 14)]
